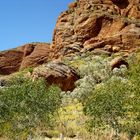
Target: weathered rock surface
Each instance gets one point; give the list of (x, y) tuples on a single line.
[(10, 61), (57, 73), (117, 62), (22, 57), (100, 26), (35, 54), (88, 25)]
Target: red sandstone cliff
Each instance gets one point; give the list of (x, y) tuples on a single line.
[(101, 26), (22, 57)]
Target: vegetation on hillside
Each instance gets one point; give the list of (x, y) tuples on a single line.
[(110, 98), (27, 106), (105, 103)]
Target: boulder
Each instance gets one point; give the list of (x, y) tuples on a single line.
[(117, 62), (57, 73)]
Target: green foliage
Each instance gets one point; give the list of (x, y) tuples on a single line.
[(108, 100), (93, 72), (107, 103), (132, 124), (29, 69), (26, 106), (115, 103), (110, 97), (71, 119)]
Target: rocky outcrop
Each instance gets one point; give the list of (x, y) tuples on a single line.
[(100, 26), (57, 73), (10, 61), (29, 55), (117, 62), (89, 25), (35, 54)]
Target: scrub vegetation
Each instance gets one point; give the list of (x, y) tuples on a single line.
[(104, 105)]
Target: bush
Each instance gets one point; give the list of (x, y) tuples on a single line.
[(115, 103), (71, 119), (26, 106), (107, 103), (92, 73)]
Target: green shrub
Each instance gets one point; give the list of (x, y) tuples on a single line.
[(71, 118), (92, 73), (115, 103), (26, 106), (107, 103)]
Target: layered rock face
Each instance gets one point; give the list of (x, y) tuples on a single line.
[(10, 61), (98, 26), (22, 57), (57, 73), (35, 54)]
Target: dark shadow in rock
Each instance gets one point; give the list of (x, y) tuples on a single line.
[(122, 4), (2, 82)]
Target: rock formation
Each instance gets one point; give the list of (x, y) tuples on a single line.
[(96, 24), (117, 62), (57, 73), (101, 26), (35, 54), (22, 57), (10, 61)]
